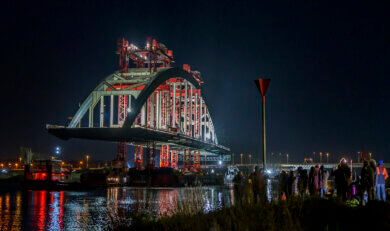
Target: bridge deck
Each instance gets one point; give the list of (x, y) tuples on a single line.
[(137, 135)]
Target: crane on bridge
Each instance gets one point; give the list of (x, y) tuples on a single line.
[(152, 106)]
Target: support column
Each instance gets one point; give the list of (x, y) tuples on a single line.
[(143, 115), (174, 106), (101, 111), (112, 111), (190, 122), (185, 107), (152, 102), (129, 105), (180, 109), (138, 156), (196, 131), (91, 116)]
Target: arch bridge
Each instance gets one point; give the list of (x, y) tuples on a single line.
[(153, 107)]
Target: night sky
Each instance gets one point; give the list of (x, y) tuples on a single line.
[(329, 65)]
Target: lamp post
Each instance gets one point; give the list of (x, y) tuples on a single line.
[(320, 157), (241, 157), (327, 157), (370, 155), (250, 159), (87, 160), (262, 85), (287, 158)]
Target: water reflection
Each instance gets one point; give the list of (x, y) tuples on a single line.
[(93, 210)]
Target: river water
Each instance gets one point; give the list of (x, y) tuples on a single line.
[(95, 209)]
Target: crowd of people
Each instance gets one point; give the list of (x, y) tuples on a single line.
[(369, 185), (251, 187), (371, 179)]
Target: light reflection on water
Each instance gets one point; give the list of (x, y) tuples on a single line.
[(93, 210)]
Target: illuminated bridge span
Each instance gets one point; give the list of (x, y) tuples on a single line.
[(153, 107)]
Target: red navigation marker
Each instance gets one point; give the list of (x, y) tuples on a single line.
[(262, 85)]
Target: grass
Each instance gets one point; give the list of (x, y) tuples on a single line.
[(296, 214), (309, 214)]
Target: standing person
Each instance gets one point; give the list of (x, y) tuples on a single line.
[(365, 181), (299, 181), (302, 181), (381, 181), (372, 179), (317, 180), (239, 184), (324, 180), (258, 186), (290, 184), (283, 183), (311, 181), (342, 175), (295, 184)]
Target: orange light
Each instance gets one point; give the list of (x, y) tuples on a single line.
[(81, 162), (62, 162)]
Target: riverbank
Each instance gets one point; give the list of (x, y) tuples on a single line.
[(309, 214)]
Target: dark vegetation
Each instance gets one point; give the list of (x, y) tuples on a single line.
[(310, 214)]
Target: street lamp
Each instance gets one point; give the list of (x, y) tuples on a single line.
[(87, 160), (327, 157), (370, 155), (250, 159), (287, 158), (241, 157), (81, 163), (320, 157)]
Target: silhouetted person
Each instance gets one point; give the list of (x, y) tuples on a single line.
[(290, 184), (311, 181), (316, 180), (372, 178), (239, 185), (302, 181), (283, 183), (258, 186), (364, 180), (342, 175), (324, 180)]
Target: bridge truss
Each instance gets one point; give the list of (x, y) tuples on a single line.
[(152, 107)]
